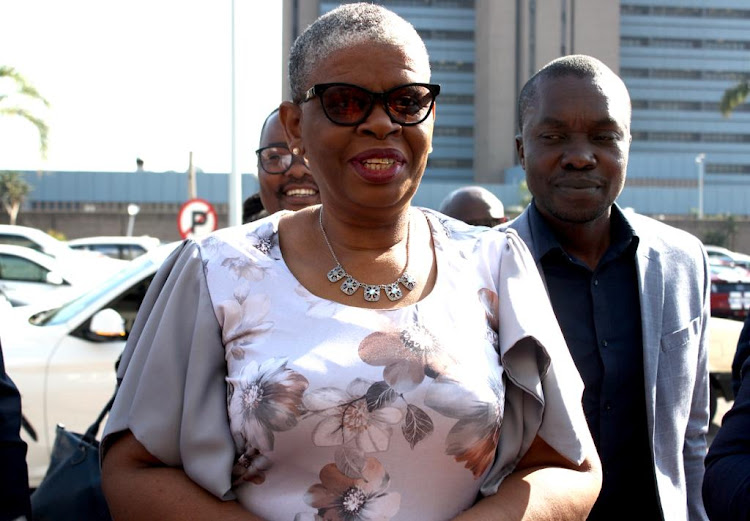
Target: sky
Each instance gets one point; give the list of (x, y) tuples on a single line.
[(147, 79)]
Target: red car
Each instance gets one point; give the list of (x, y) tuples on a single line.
[(730, 292)]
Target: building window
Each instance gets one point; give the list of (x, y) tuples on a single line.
[(451, 66), (685, 12), (681, 74), (444, 34), (691, 137), (453, 131), (461, 4), (456, 99), (450, 163), (719, 168)]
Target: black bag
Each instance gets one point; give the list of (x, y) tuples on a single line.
[(71, 489)]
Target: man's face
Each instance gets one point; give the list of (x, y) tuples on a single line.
[(574, 147), (294, 189)]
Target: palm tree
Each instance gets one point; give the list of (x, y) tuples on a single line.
[(734, 96), (15, 103), (13, 192)]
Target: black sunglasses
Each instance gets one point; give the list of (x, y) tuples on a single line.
[(350, 105), (277, 159)]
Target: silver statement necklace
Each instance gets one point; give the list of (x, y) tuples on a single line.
[(372, 291)]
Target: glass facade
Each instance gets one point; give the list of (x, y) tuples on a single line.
[(677, 58)]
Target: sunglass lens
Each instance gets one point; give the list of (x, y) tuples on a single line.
[(275, 160), (346, 104), (410, 103)]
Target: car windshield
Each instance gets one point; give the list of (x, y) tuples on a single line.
[(62, 314)]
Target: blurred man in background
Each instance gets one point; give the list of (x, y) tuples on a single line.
[(474, 205), (284, 178)]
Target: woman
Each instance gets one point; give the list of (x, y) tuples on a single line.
[(381, 361)]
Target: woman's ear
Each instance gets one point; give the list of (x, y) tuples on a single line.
[(290, 116)]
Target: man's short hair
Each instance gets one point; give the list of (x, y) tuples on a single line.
[(578, 65)]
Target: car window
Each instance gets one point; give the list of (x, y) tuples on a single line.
[(131, 251), (20, 269), (75, 306), (18, 240), (110, 250)]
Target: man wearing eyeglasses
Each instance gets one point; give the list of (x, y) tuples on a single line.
[(285, 180), (474, 205)]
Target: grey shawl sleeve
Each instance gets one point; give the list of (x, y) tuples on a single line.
[(172, 394), (543, 391)]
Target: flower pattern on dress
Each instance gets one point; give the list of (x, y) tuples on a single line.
[(340, 498), (265, 397), (348, 419), (242, 321), (478, 406), (250, 466), (408, 356), (437, 380), (265, 240)]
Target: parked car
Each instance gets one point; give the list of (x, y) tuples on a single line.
[(43, 242), (719, 255), (27, 276), (62, 357), (117, 247), (730, 291)]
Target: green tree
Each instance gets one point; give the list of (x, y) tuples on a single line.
[(13, 192), (18, 100), (733, 96)]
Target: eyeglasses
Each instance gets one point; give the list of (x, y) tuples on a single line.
[(275, 159), (350, 105)]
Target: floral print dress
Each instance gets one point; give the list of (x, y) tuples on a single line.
[(342, 413)]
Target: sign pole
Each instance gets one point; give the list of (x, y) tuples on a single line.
[(235, 181)]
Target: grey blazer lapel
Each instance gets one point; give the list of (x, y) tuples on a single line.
[(651, 285)]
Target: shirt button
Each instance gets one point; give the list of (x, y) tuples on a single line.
[(604, 343), (608, 406), (596, 282)]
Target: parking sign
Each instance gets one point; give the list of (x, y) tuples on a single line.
[(196, 218)]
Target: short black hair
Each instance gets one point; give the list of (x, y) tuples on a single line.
[(252, 209), (265, 121), (578, 65)]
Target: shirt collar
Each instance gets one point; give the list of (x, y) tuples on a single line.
[(623, 234)]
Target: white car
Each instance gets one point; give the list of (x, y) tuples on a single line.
[(727, 257), (43, 242), (62, 359), (26, 276), (117, 247)]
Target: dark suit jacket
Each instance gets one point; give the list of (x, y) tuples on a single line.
[(726, 485), (14, 479), (742, 354)]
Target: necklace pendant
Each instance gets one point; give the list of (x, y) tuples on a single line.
[(372, 293), (349, 286), (408, 281), (336, 274), (393, 292)]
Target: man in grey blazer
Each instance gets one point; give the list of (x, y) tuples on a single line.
[(631, 294)]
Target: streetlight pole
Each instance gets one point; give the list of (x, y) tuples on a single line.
[(133, 210), (699, 161)]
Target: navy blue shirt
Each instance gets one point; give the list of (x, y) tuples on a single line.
[(600, 317)]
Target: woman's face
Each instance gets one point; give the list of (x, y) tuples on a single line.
[(378, 164)]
